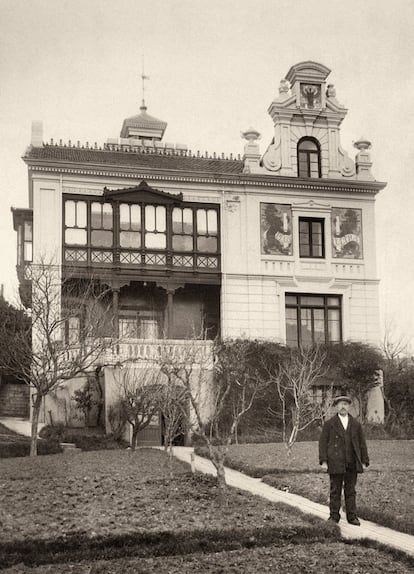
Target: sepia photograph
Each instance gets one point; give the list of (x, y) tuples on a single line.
[(206, 277)]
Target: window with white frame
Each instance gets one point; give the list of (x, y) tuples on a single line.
[(101, 224), (207, 230), (155, 227), (76, 222), (130, 226)]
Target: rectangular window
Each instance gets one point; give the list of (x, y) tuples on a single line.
[(311, 237), (27, 241), (130, 226), (101, 224), (140, 325), (75, 222), (19, 244), (155, 227), (128, 328), (73, 326), (207, 230), (312, 319), (182, 229)]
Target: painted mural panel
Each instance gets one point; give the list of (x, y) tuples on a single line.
[(346, 233), (276, 229)]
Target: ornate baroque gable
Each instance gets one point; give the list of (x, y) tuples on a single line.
[(307, 109)]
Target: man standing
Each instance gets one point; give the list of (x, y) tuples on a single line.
[(343, 452)]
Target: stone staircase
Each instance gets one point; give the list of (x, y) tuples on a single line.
[(69, 447)]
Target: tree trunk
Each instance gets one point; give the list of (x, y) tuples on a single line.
[(292, 437), (218, 461), (170, 459), (134, 437), (35, 421), (100, 401)]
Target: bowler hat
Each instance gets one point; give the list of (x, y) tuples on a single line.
[(342, 398)]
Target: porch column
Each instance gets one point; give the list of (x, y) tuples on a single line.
[(115, 310), (170, 312), (170, 287)]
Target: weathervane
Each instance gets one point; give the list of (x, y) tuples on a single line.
[(143, 78)]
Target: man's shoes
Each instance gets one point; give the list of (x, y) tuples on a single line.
[(354, 522), (333, 519)]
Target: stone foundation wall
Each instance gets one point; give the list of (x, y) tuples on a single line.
[(14, 400)]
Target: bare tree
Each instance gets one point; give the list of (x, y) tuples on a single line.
[(173, 407), (396, 367), (66, 336), (219, 394), (395, 347), (396, 350), (295, 379), (139, 388)]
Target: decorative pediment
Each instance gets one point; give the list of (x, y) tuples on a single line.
[(311, 204), (142, 192), (308, 71)]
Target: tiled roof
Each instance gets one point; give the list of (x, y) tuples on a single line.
[(153, 159), (144, 120)]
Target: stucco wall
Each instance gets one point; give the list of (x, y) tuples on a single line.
[(254, 283)]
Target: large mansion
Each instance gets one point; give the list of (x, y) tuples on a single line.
[(274, 244)]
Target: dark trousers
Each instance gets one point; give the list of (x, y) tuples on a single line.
[(348, 480)]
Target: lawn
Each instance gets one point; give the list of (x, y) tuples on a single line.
[(13, 444), (333, 557), (384, 490), (118, 512)]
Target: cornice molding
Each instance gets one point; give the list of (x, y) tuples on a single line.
[(276, 182)]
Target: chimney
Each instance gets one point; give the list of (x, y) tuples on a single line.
[(37, 134)]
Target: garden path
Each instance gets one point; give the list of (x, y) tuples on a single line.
[(21, 426), (370, 530)]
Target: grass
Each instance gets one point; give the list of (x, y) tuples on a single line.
[(118, 512), (384, 490), (332, 557), (85, 438), (13, 444)]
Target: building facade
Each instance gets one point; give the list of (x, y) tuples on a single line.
[(277, 244)]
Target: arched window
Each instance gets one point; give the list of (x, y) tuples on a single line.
[(309, 158)]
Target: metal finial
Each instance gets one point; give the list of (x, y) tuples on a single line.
[(143, 78)]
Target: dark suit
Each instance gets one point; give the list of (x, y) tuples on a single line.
[(345, 452)]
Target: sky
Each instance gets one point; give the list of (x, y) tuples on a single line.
[(214, 68)]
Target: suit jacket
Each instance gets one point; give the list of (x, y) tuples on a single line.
[(332, 445)]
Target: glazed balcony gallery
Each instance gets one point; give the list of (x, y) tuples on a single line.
[(141, 232)]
